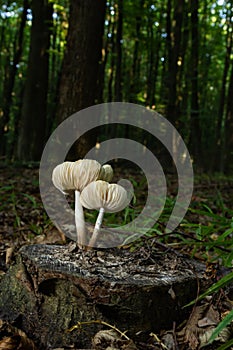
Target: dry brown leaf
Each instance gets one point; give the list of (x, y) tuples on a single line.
[(172, 293), (205, 322), (10, 343), (190, 333), (211, 318), (110, 339), (129, 345), (51, 237), (169, 341), (105, 337), (14, 338)]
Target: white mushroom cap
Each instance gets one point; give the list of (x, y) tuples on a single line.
[(100, 194), (77, 175), (61, 177)]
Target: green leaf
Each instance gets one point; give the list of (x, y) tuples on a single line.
[(216, 286), (226, 345)]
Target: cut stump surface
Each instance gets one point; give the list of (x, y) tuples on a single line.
[(52, 287)]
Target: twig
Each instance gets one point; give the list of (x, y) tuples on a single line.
[(163, 346), (80, 324)]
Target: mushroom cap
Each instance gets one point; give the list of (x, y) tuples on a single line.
[(101, 194), (106, 173), (75, 175), (61, 177)]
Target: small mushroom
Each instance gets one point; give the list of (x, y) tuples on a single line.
[(105, 197), (70, 176)]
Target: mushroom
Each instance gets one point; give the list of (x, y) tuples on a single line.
[(70, 176), (105, 197)]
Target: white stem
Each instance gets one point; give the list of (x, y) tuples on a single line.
[(97, 228), (79, 221)]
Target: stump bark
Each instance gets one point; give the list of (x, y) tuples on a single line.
[(52, 287)]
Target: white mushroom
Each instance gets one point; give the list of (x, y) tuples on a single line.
[(105, 197), (76, 176)]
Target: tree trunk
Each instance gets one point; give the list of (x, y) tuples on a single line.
[(140, 291), (174, 43), (154, 54), (105, 54), (135, 75), (112, 63), (33, 118), (229, 127), (10, 80), (118, 78), (150, 88), (195, 141), (219, 152), (184, 73), (81, 63)]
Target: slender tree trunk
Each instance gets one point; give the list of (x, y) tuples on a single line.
[(195, 142), (174, 42), (112, 63), (166, 55), (10, 80), (219, 153), (119, 38), (150, 94), (229, 127), (105, 54), (33, 118), (134, 85), (81, 64), (154, 47), (185, 76)]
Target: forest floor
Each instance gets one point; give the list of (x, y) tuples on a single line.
[(205, 235)]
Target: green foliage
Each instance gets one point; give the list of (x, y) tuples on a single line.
[(226, 346), (145, 65)]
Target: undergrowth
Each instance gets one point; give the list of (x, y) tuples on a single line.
[(205, 233)]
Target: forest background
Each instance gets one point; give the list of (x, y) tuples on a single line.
[(174, 56), (58, 57)]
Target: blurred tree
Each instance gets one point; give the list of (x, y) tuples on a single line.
[(220, 137), (32, 126), (119, 40), (229, 127), (9, 81), (195, 144)]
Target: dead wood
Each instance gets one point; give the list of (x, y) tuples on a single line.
[(52, 287)]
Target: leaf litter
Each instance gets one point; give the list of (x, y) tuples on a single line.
[(23, 221)]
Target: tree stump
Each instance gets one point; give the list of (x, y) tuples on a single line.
[(53, 287)]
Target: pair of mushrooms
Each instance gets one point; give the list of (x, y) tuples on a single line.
[(90, 182)]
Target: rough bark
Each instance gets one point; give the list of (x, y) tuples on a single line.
[(79, 75), (52, 288)]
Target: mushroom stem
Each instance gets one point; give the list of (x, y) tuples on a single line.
[(79, 221), (97, 228)]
